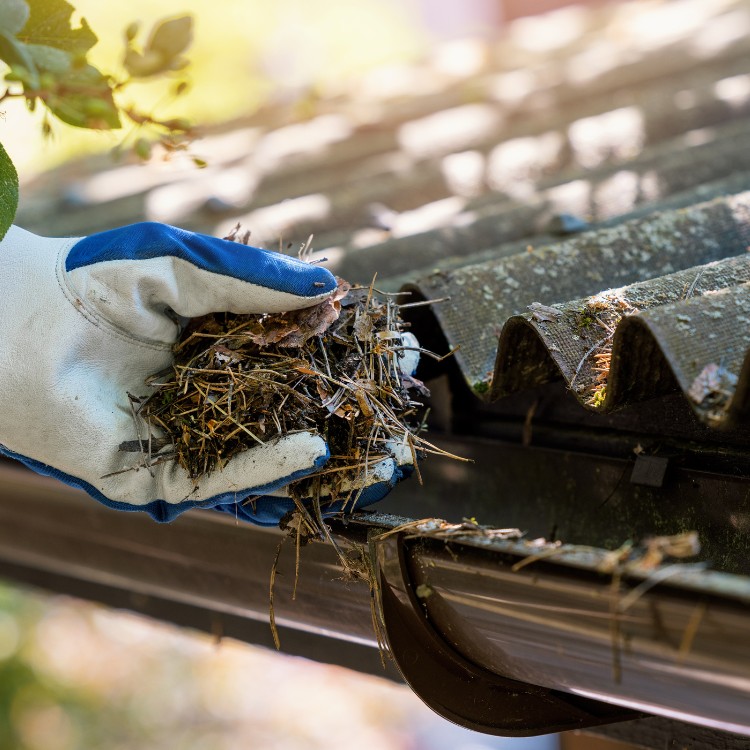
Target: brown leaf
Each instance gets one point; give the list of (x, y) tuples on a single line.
[(223, 356), (346, 411), (296, 328), (323, 392), (363, 326), (273, 330)]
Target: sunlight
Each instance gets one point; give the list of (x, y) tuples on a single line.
[(270, 223), (551, 31), (464, 173), (735, 91), (513, 166), (617, 134), (443, 131), (300, 138)]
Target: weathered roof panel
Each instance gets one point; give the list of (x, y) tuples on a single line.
[(602, 196), (689, 329), (589, 150), (485, 295)]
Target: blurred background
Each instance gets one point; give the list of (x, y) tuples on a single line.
[(243, 56), (75, 675)]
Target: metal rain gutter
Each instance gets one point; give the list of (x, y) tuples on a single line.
[(673, 642), (506, 651)]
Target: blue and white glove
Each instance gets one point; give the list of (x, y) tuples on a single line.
[(366, 490), (86, 321)]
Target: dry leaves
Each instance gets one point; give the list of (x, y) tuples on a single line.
[(332, 369), (296, 328)]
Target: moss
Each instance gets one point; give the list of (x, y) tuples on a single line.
[(583, 320), (480, 387), (598, 398)]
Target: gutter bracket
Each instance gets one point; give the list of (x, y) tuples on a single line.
[(461, 691)]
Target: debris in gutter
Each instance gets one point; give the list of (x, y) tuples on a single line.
[(650, 553), (651, 561), (647, 560), (423, 591), (604, 311), (437, 528), (712, 391), (333, 369)]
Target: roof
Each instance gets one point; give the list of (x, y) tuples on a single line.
[(592, 160)]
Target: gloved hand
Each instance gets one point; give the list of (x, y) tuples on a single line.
[(374, 485), (269, 509), (86, 321)]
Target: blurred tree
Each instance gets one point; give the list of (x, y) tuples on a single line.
[(45, 62)]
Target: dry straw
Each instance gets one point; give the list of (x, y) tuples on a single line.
[(332, 369)]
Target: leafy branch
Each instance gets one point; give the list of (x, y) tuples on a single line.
[(44, 60)]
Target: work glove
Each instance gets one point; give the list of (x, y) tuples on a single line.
[(86, 321), (374, 485)]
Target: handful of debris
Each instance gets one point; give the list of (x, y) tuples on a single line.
[(339, 369)]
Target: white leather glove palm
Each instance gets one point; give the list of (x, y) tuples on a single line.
[(86, 321)]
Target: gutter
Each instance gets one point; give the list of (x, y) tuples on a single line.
[(500, 651)]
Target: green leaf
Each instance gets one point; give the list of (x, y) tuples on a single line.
[(50, 24), (142, 148), (170, 38), (131, 31), (143, 65), (13, 15), (50, 59), (86, 100), (17, 55), (8, 191), (161, 54)]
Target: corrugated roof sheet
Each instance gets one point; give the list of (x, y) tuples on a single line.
[(648, 250), (577, 187)]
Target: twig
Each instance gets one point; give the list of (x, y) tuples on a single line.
[(271, 609), (586, 356)]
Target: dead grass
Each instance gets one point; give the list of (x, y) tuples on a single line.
[(333, 369), (604, 311)]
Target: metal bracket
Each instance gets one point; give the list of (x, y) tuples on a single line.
[(461, 691)]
